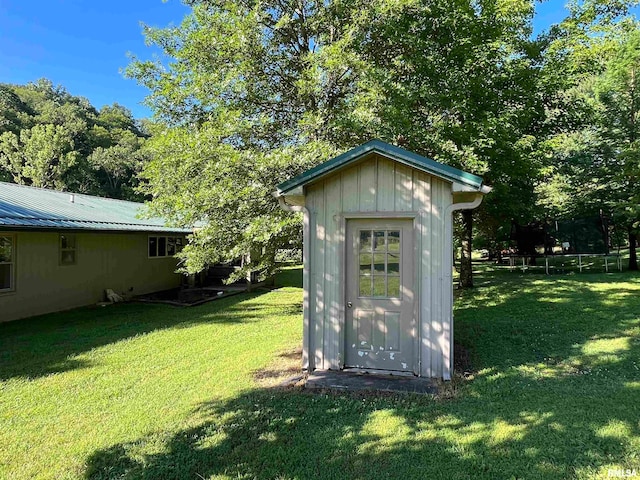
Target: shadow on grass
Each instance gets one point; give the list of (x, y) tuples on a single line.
[(551, 398), (285, 366), (291, 434), (46, 344), (525, 320)]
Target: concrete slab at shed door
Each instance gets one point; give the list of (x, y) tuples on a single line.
[(380, 322)]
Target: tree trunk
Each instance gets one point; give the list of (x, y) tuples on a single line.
[(466, 270), (633, 257)]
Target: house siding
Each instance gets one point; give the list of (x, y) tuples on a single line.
[(118, 261), (376, 185)]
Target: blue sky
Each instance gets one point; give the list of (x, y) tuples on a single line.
[(83, 44)]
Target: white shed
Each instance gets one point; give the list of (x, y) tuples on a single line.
[(377, 278)]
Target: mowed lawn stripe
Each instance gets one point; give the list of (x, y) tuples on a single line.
[(550, 390), (146, 379)]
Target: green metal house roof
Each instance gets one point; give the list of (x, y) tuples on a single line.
[(390, 151), (23, 207)]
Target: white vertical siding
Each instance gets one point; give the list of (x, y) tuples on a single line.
[(316, 206), (385, 192), (421, 204), (368, 186), (437, 277), (333, 205), (375, 184), (403, 185)]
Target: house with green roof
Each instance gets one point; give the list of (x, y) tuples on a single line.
[(61, 250)]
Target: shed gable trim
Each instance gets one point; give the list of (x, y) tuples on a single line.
[(390, 151)]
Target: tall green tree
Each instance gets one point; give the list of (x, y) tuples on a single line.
[(460, 82), (50, 138), (255, 93), (40, 156), (116, 166), (592, 56), (604, 155), (618, 92), (275, 87)]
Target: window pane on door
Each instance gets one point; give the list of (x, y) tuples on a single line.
[(393, 240), (365, 286), (379, 263), (393, 287), (379, 287), (365, 263), (365, 241), (393, 263), (379, 244)]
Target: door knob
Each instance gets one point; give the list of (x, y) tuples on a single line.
[(349, 304)]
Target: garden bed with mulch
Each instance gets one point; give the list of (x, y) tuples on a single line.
[(189, 297)]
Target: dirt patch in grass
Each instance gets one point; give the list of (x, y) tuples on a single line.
[(285, 370), (463, 372), (462, 360)]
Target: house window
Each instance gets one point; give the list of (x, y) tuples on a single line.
[(7, 262), (67, 249), (160, 247)]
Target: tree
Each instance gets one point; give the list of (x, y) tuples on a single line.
[(51, 138), (11, 110), (117, 166), (615, 147), (460, 82), (283, 84), (618, 91), (591, 169), (256, 93), (40, 156)]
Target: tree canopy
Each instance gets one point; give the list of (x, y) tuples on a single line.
[(50, 138), (258, 92), (591, 168), (255, 92)]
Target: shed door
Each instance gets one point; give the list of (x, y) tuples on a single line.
[(380, 325)]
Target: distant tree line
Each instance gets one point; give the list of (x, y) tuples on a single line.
[(52, 139)]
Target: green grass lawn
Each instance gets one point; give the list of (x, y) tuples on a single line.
[(156, 392)]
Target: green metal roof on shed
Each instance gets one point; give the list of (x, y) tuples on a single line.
[(23, 207), (390, 151)]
